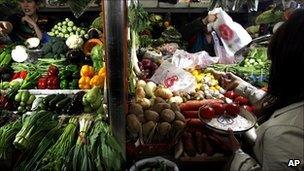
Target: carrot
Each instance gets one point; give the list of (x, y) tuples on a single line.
[(194, 105), (195, 123), (189, 144), (190, 114), (200, 146)]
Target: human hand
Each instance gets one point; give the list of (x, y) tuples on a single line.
[(230, 81), (210, 18), (29, 20), (3, 28), (229, 143)]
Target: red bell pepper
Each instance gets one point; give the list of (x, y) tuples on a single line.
[(52, 82), (53, 70), (42, 83)]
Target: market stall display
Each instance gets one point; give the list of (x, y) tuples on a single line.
[(54, 109)]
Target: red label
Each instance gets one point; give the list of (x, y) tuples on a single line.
[(225, 32)]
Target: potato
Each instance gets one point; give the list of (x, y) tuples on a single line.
[(151, 116), (159, 107), (159, 100), (164, 128), (147, 128), (136, 109), (179, 116), (174, 106), (133, 124), (178, 125), (141, 118), (167, 115)]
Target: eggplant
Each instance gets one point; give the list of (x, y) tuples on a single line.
[(75, 56), (93, 33)]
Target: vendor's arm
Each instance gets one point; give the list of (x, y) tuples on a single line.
[(252, 93), (193, 28), (34, 25), (5, 27)]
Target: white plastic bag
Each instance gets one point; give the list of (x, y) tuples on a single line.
[(174, 78), (232, 34), (185, 60)]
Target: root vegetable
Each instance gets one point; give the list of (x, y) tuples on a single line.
[(167, 115), (199, 142), (150, 87), (141, 118), (141, 83), (140, 93), (190, 114), (134, 126), (159, 100), (176, 99), (209, 150), (136, 109), (151, 116), (195, 104), (164, 128), (189, 144), (164, 93), (174, 107), (179, 116), (159, 107), (147, 128), (178, 126), (144, 102)]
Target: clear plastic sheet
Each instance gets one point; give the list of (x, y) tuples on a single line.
[(78, 7)]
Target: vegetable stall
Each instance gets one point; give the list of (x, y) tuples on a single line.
[(92, 97)]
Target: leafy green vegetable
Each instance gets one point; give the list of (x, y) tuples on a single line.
[(97, 55)]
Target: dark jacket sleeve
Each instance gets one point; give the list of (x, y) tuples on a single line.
[(193, 28)]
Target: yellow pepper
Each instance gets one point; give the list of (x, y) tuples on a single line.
[(97, 81), (102, 72), (87, 71), (84, 82)]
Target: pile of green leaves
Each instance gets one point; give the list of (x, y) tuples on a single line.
[(55, 48)]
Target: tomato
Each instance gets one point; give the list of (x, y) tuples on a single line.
[(219, 108), (42, 83), (207, 112), (241, 100), (232, 109), (230, 94), (52, 82), (225, 32), (53, 70), (23, 74), (248, 108)]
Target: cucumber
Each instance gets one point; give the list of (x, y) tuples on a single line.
[(63, 103), (18, 97), (54, 101), (25, 96), (31, 99), (48, 98)]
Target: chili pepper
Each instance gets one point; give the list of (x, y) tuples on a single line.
[(53, 70), (52, 82), (73, 84), (23, 74), (42, 83), (64, 84), (16, 75)]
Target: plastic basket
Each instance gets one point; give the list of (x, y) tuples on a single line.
[(157, 159)]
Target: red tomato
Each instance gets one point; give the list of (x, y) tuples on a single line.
[(219, 108), (241, 100), (232, 109), (53, 70), (42, 83), (23, 74), (52, 82), (225, 32), (230, 94), (248, 108), (207, 112)]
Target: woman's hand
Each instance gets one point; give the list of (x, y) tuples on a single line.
[(209, 19), (228, 80), (5, 28), (229, 143), (29, 20)]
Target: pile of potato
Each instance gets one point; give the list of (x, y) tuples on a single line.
[(161, 122)]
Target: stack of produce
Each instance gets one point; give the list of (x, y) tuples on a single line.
[(54, 48), (25, 99), (90, 79), (93, 101), (69, 77), (65, 29)]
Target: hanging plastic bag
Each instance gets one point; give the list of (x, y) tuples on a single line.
[(232, 34), (185, 60), (78, 7), (174, 78), (220, 51)]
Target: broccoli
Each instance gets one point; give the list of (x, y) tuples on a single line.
[(59, 47)]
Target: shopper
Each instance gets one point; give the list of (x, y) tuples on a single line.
[(197, 35), (280, 139), (21, 26)]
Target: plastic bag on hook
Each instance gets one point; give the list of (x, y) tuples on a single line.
[(78, 7)]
